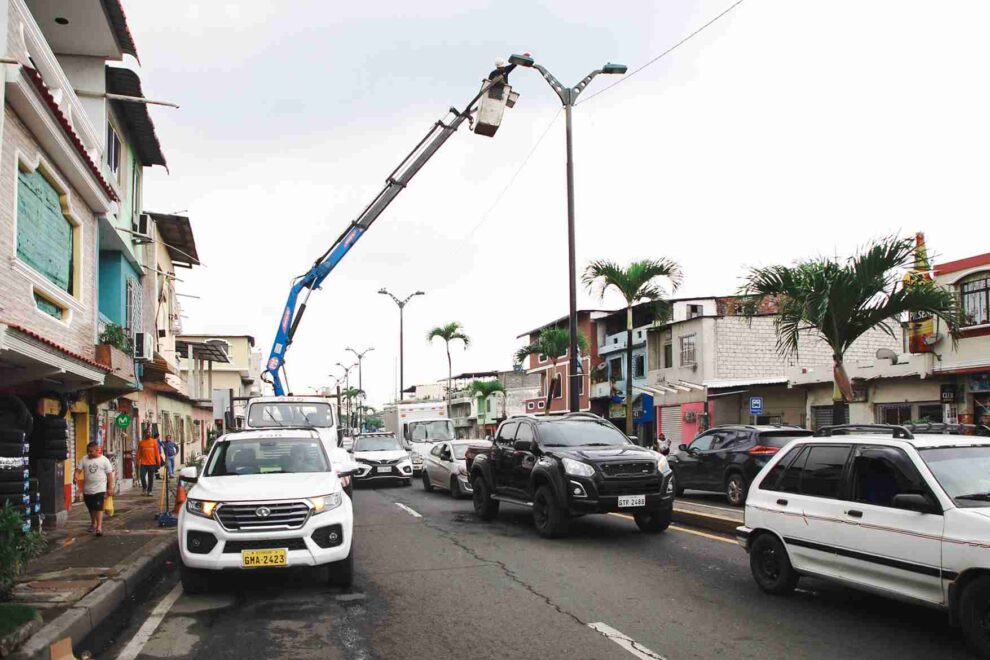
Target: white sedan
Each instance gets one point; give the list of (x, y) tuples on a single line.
[(445, 467)]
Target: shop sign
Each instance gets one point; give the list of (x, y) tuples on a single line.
[(617, 410), (948, 392), (123, 420)]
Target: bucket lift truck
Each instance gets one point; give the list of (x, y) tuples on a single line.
[(489, 105)]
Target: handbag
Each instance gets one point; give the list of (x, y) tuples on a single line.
[(108, 508)]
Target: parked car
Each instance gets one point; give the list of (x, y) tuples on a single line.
[(445, 466), (265, 499), (728, 458), (882, 509), (569, 465), (380, 456)]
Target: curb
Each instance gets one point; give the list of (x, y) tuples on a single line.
[(88, 613), (707, 521)]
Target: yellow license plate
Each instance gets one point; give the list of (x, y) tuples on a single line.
[(264, 558)]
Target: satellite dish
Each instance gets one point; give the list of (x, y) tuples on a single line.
[(887, 354)]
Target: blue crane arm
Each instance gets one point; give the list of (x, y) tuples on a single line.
[(400, 177)]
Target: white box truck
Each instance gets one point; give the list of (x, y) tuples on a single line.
[(419, 424)]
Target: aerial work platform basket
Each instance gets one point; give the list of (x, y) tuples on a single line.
[(491, 107)]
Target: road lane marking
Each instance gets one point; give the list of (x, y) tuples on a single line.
[(678, 528), (626, 642), (408, 510), (148, 628)]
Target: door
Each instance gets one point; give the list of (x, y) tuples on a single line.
[(523, 462), (808, 511), (670, 424), (887, 547), (433, 465), (503, 451), (689, 461), (713, 461)]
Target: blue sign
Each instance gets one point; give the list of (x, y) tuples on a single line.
[(756, 405)]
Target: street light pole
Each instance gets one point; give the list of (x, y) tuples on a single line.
[(347, 387), (568, 97), (360, 357), (402, 305)]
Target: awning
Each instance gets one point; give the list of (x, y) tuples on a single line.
[(725, 383), (30, 361), (202, 350), (178, 237), (140, 128)]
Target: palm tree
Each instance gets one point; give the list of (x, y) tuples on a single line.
[(554, 343), (840, 301), (636, 282), (483, 389), (350, 394), (449, 333)]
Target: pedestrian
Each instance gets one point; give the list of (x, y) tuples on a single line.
[(96, 474), (148, 460), (661, 444), (161, 455), (171, 449)]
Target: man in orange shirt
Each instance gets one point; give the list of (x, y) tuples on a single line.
[(149, 460)]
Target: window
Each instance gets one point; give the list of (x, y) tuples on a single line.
[(975, 292), (893, 413), (581, 384), (880, 473), (688, 356), (525, 432), (931, 412), (771, 481), (822, 416), (615, 368), (133, 311), (724, 439), (506, 433), (436, 450), (790, 480), (668, 355), (703, 442), (695, 311), (113, 149), (542, 357), (639, 366), (555, 383), (822, 474)]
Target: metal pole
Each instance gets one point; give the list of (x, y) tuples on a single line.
[(360, 387), (572, 389), (401, 353)]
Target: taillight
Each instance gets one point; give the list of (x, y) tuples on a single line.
[(763, 450)]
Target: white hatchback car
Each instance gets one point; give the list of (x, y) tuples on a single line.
[(445, 467), (880, 508), (265, 499)]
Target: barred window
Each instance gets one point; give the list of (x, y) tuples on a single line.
[(976, 299), (688, 355)]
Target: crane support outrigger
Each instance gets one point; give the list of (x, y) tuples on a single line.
[(490, 102)]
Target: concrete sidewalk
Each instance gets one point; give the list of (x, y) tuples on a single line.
[(83, 578)]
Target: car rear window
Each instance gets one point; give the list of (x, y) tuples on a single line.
[(780, 439)]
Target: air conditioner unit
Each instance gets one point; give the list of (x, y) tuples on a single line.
[(690, 416), (144, 347), (142, 229)]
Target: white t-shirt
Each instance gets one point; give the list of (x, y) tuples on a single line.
[(95, 471)]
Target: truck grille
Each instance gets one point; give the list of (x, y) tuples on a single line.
[(638, 468), (263, 515), (612, 488), (368, 461), (231, 547)]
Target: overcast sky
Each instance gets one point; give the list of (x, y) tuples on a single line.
[(785, 130)]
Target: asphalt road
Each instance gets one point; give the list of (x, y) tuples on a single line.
[(446, 585)]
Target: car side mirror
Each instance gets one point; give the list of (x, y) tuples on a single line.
[(524, 445), (190, 474), (914, 502), (682, 447)]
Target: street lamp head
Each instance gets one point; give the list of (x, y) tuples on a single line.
[(614, 68), (522, 60), (420, 293), (383, 291)]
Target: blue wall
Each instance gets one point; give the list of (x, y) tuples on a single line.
[(114, 271)]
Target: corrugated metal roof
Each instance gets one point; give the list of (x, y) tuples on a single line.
[(717, 384), (121, 32), (140, 128), (178, 237)]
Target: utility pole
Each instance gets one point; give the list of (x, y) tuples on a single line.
[(402, 305), (360, 357), (568, 97)]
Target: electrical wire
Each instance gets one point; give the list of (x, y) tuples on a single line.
[(666, 52), (518, 171)]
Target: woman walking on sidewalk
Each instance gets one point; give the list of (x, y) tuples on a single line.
[(96, 474), (149, 458)]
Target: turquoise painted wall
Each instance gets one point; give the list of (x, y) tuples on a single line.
[(115, 269)]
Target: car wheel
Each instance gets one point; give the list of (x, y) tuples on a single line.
[(194, 580), (427, 486), (771, 567), (484, 505), (678, 488), (735, 489), (550, 519), (974, 614), (341, 573), (653, 522)]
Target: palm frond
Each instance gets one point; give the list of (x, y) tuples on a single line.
[(634, 282), (448, 333)]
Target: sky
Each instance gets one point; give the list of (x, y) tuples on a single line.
[(785, 130)]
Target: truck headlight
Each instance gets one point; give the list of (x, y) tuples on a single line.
[(577, 468), (662, 463), (417, 459), (325, 503), (202, 508)]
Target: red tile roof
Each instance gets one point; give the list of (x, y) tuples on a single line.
[(49, 342), (963, 264), (46, 94)]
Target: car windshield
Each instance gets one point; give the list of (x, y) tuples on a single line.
[(266, 456), (376, 443), (780, 439), (441, 429), (580, 434), (283, 414), (964, 472)]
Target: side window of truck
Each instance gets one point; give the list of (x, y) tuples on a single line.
[(507, 433)]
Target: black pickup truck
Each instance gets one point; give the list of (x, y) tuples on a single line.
[(569, 465)]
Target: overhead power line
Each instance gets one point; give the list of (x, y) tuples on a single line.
[(666, 52)]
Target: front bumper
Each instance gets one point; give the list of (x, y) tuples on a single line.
[(372, 472), (599, 495), (303, 550)]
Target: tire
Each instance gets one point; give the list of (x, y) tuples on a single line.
[(484, 506), (341, 573), (653, 522), (13, 488), (550, 519), (14, 449), (736, 489), (14, 414), (53, 455), (54, 445), (678, 488), (974, 614), (427, 485), (771, 566), (194, 580), (12, 436), (51, 423), (13, 476)]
